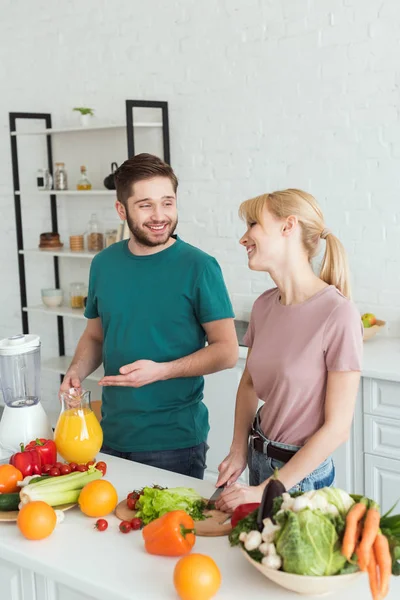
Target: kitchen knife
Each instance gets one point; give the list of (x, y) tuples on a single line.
[(215, 496)]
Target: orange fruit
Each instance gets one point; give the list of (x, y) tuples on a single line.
[(36, 520), (196, 577), (9, 477), (98, 498)]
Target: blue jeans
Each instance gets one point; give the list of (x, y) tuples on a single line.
[(186, 461), (261, 467)]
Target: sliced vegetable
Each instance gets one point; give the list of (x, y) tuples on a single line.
[(9, 478), (370, 531), (9, 502), (59, 490), (154, 503), (46, 449), (27, 461), (170, 535)]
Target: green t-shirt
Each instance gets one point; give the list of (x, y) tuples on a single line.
[(152, 307)]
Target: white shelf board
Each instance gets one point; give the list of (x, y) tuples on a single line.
[(61, 311), (84, 129), (68, 192), (62, 252), (60, 365)]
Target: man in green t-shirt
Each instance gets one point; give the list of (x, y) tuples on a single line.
[(153, 302)]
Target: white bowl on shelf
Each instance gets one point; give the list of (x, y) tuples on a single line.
[(52, 297), (304, 584)]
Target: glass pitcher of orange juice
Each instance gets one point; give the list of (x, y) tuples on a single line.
[(78, 434)]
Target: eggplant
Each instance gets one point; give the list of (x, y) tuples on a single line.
[(273, 489)]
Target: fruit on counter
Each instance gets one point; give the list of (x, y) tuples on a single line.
[(9, 478), (125, 526), (196, 577), (36, 520), (136, 524), (368, 320), (101, 524), (59, 490), (98, 498), (154, 502), (45, 448), (27, 461), (58, 468), (170, 535), (9, 502), (242, 511)]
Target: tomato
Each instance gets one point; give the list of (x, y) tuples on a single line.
[(9, 477), (65, 470), (54, 472), (133, 495), (101, 524), (242, 511), (90, 463), (73, 466), (101, 466), (46, 469), (125, 526), (58, 465), (136, 524), (81, 468), (131, 502)]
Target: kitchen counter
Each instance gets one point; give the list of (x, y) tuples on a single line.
[(381, 358), (119, 568)]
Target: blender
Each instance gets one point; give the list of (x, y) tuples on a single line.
[(24, 418)]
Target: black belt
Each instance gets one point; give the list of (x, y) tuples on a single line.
[(260, 445)]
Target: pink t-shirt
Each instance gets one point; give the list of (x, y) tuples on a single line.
[(292, 349)]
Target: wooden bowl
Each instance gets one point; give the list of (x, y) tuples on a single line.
[(304, 584), (369, 332)]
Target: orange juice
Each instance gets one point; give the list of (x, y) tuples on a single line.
[(78, 435)]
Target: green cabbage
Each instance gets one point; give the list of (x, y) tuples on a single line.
[(339, 498), (308, 543), (155, 502)]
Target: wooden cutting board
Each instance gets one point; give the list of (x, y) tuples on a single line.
[(216, 523), (12, 515)]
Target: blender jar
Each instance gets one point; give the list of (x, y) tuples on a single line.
[(20, 370)]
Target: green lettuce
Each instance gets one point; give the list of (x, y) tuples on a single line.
[(154, 503), (308, 543)]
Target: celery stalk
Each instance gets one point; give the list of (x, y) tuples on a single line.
[(59, 490)]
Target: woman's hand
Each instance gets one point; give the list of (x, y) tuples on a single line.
[(232, 467), (237, 494)]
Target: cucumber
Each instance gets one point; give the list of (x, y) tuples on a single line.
[(9, 502)]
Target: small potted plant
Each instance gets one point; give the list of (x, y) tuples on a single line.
[(85, 113)]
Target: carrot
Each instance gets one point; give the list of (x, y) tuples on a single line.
[(370, 531), (384, 562), (353, 519), (373, 577)]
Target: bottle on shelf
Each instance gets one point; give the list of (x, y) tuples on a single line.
[(60, 177), (95, 237), (83, 183)]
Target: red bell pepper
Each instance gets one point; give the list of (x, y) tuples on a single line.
[(27, 461), (46, 448), (242, 511)]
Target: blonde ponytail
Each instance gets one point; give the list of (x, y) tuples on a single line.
[(283, 204)]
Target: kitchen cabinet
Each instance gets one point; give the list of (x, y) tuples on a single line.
[(382, 480)]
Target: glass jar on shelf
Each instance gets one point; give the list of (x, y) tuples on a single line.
[(77, 293), (110, 237), (44, 180), (83, 183), (60, 177), (95, 237)]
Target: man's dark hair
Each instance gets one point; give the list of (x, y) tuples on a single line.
[(141, 166)]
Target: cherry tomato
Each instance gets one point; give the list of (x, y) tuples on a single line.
[(54, 472), (101, 524), (101, 466), (131, 503), (136, 523), (73, 466), (46, 469), (65, 470), (81, 468), (90, 463), (133, 495), (125, 526), (58, 465)]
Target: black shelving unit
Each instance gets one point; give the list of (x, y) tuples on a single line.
[(46, 118)]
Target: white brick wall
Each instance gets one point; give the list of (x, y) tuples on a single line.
[(263, 94)]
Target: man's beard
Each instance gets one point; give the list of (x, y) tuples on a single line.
[(143, 239)]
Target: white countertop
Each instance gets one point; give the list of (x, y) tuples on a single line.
[(120, 569), (381, 358)]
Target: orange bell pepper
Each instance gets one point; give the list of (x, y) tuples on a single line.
[(9, 477), (170, 535)]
